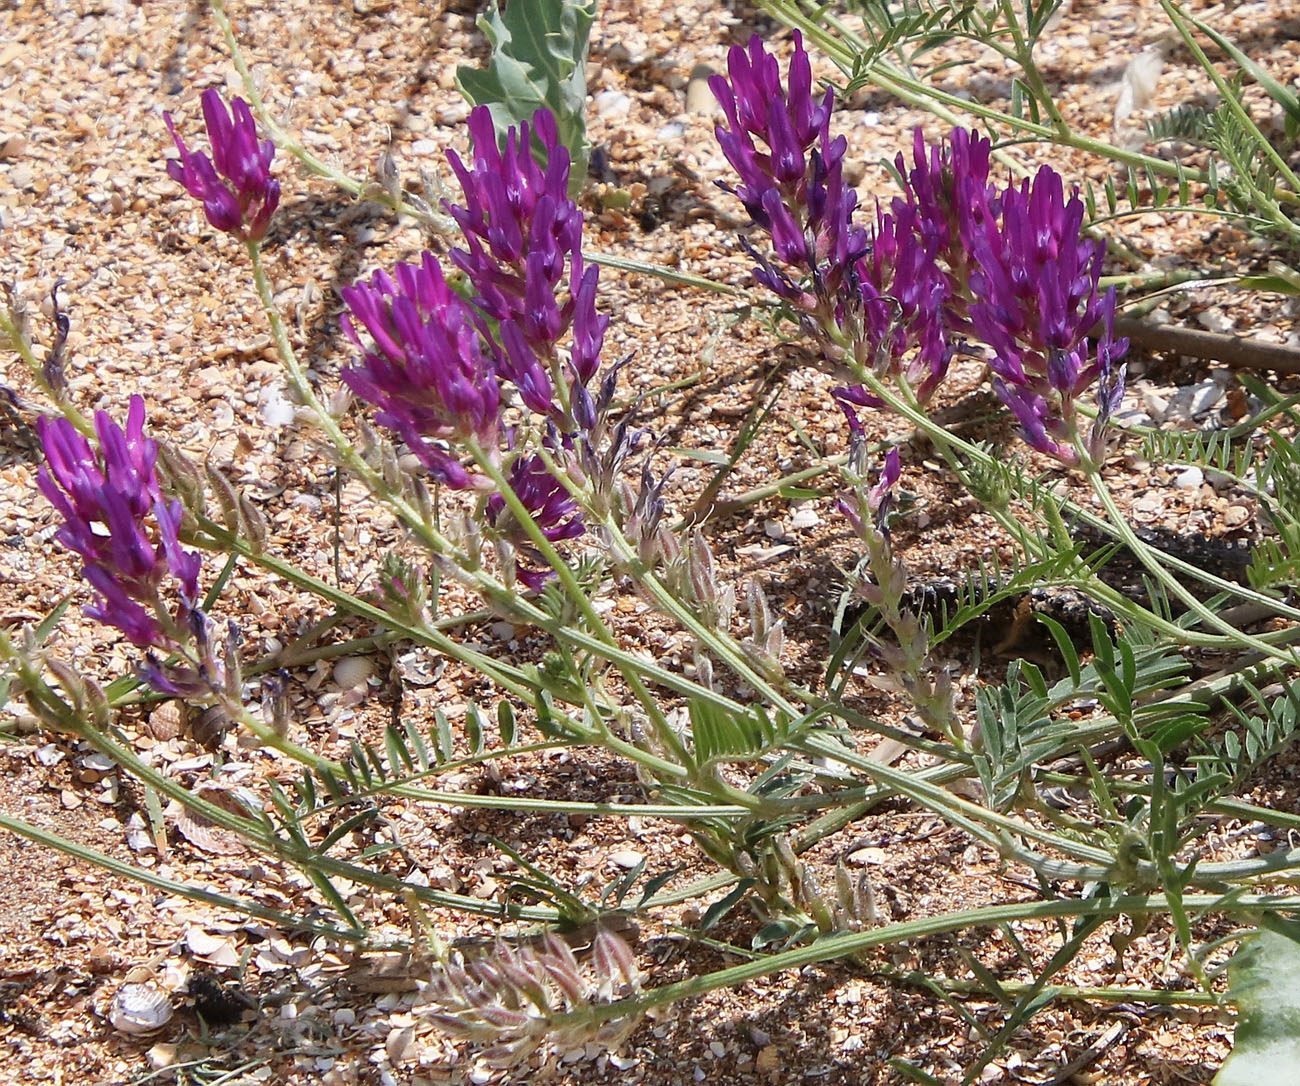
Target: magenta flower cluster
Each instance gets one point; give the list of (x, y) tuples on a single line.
[(239, 194), (523, 239), (434, 364), (437, 366), (952, 261), (116, 519), (426, 368)]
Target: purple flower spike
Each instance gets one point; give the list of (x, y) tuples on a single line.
[(778, 141), (115, 518), (238, 192), (426, 372), (953, 259), (517, 215), (1035, 281), (523, 254), (551, 506)]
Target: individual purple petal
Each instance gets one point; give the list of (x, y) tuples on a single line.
[(879, 497), (588, 328), (851, 397), (520, 365)]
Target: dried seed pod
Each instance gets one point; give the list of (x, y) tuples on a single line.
[(140, 1008)]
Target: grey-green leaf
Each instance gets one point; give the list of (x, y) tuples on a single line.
[(539, 58), (1265, 975)]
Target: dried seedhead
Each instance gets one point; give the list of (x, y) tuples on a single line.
[(516, 998)]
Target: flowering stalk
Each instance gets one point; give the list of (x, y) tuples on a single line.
[(952, 259), (1034, 280), (116, 519), (906, 663), (239, 194), (126, 533), (523, 257)]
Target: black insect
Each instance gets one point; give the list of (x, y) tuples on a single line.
[(652, 213), (218, 1004)]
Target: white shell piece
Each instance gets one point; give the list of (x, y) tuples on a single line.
[(140, 1008)]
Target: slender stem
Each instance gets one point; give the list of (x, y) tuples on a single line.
[(1024, 56), (959, 987), (105, 862), (11, 336), (664, 731), (960, 811), (257, 834), (1171, 584), (1262, 143), (943, 438), (833, 947), (889, 77)]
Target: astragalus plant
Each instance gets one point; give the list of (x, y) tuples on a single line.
[(481, 410)]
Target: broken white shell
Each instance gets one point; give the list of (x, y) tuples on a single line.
[(140, 1008)]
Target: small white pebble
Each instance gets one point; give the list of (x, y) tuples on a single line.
[(804, 517), (1189, 478), (612, 104)]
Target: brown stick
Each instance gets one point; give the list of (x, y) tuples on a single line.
[(1238, 352)]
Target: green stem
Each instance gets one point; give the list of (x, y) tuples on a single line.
[(950, 107), (1172, 585), (664, 731), (1262, 143), (1160, 997), (1024, 56), (943, 439), (972, 817), (11, 336), (256, 834), (833, 947), (112, 864)]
